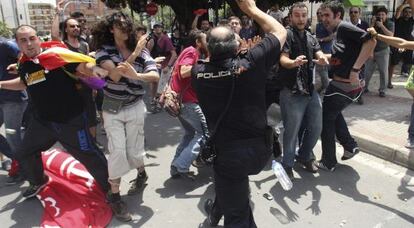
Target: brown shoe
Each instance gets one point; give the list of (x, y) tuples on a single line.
[(120, 210)]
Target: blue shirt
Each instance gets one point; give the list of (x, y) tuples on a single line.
[(9, 53), (322, 32)]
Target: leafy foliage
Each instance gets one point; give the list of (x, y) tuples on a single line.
[(4, 30)]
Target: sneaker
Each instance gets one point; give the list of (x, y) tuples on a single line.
[(289, 172), (410, 144), (34, 189), (6, 164), (322, 166), (14, 180), (348, 154), (405, 75), (309, 165), (213, 217), (382, 94), (138, 183), (120, 210), (198, 163), (175, 174)]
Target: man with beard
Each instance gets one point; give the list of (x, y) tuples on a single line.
[(191, 117), (299, 101)]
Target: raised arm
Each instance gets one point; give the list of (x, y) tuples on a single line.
[(54, 33), (266, 22)]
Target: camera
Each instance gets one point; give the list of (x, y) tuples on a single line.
[(378, 18)]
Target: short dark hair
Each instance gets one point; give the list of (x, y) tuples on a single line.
[(359, 8), (22, 26), (222, 45), (381, 9), (335, 6), (64, 26), (77, 14), (140, 28), (297, 5)]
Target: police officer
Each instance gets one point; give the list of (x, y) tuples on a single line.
[(240, 139)]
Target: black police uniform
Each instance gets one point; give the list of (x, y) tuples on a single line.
[(240, 140)]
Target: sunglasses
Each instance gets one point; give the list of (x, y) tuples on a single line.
[(74, 26), (354, 12)]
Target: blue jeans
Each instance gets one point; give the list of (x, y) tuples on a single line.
[(297, 110), (411, 127), (194, 123), (334, 124), (11, 115)]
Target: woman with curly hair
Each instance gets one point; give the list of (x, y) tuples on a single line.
[(129, 65)]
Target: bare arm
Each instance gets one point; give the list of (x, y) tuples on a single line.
[(140, 45), (127, 70), (365, 53), (195, 21), (13, 84), (396, 42), (90, 69), (289, 63), (185, 71), (54, 33), (266, 22), (173, 58), (111, 68)]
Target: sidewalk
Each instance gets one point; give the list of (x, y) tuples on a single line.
[(380, 125)]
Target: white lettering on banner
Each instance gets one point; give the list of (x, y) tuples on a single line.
[(220, 74), (50, 159), (77, 172), (52, 203), (64, 163)]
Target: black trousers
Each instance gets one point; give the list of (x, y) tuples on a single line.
[(234, 163), (74, 136)]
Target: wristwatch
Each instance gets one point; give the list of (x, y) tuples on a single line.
[(355, 70)]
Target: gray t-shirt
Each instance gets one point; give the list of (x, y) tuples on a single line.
[(381, 45)]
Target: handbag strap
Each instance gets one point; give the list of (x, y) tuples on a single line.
[(233, 70)]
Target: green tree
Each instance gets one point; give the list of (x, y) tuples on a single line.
[(183, 9), (4, 30)]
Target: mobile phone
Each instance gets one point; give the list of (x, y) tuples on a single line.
[(378, 18), (149, 37)]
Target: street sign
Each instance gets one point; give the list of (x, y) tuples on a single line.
[(151, 8)]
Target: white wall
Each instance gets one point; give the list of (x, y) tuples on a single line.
[(15, 12)]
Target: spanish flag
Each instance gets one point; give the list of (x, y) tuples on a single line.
[(56, 54)]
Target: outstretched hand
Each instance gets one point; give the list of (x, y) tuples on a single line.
[(246, 5)]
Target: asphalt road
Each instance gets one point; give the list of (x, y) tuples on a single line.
[(363, 192)]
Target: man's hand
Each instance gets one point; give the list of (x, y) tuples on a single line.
[(142, 42), (323, 61), (300, 60), (99, 72), (59, 7), (12, 68), (246, 5), (372, 31)]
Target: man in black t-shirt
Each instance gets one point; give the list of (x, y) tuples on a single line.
[(58, 114), (351, 48), (240, 139), (404, 22)]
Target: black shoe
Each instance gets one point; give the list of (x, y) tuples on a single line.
[(138, 183), (34, 189), (176, 174), (198, 162), (213, 217), (382, 94), (289, 172), (14, 180), (309, 165), (120, 210), (366, 90), (390, 86), (322, 166), (348, 154)]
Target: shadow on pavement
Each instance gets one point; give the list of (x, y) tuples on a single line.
[(405, 193), (161, 130), (343, 181), (21, 211)]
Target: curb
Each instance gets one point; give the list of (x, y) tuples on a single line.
[(391, 152)]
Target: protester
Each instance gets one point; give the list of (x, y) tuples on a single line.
[(235, 24), (351, 48), (58, 110), (191, 117), (382, 50), (205, 23), (404, 22), (160, 45), (12, 107), (247, 31), (130, 65), (240, 141), (300, 103)]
